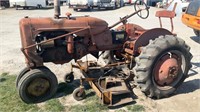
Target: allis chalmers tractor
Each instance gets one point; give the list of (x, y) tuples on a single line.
[(155, 59)]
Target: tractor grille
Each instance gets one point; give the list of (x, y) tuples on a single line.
[(105, 1)]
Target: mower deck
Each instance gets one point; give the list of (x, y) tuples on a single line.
[(111, 87)]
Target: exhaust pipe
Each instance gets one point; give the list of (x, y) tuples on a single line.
[(56, 9)]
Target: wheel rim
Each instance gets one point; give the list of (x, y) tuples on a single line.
[(69, 78), (38, 87), (169, 69), (79, 94)]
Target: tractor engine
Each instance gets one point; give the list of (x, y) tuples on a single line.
[(67, 48), (61, 40)]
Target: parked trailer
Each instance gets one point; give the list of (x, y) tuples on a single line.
[(4, 3), (26, 4), (51, 2), (81, 4), (108, 3)]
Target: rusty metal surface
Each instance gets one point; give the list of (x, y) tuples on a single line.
[(131, 29), (83, 35), (81, 26), (167, 14), (166, 70), (140, 37), (55, 38), (94, 40), (112, 89), (151, 34), (70, 44), (108, 88)]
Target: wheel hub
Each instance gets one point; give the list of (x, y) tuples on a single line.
[(173, 72), (38, 87), (166, 70)]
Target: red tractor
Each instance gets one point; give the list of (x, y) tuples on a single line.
[(155, 59)]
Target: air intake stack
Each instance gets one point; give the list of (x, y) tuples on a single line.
[(56, 9)]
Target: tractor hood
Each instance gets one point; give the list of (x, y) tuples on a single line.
[(94, 28), (71, 24)]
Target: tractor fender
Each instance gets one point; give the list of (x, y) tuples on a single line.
[(130, 28), (148, 35)]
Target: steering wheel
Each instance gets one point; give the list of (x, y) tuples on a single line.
[(140, 5)]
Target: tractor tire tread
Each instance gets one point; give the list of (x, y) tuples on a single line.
[(146, 60), (30, 75)]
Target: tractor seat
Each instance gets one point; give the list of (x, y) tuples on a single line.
[(167, 14)]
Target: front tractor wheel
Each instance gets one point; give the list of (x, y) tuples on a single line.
[(162, 66), (37, 85), (24, 71)]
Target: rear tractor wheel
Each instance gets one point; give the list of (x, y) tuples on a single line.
[(162, 66), (37, 85)]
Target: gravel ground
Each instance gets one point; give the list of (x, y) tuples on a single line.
[(187, 97)]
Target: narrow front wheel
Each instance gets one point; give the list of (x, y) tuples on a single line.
[(37, 85)]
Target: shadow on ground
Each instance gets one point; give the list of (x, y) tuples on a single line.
[(192, 70), (65, 89), (191, 85), (196, 39)]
